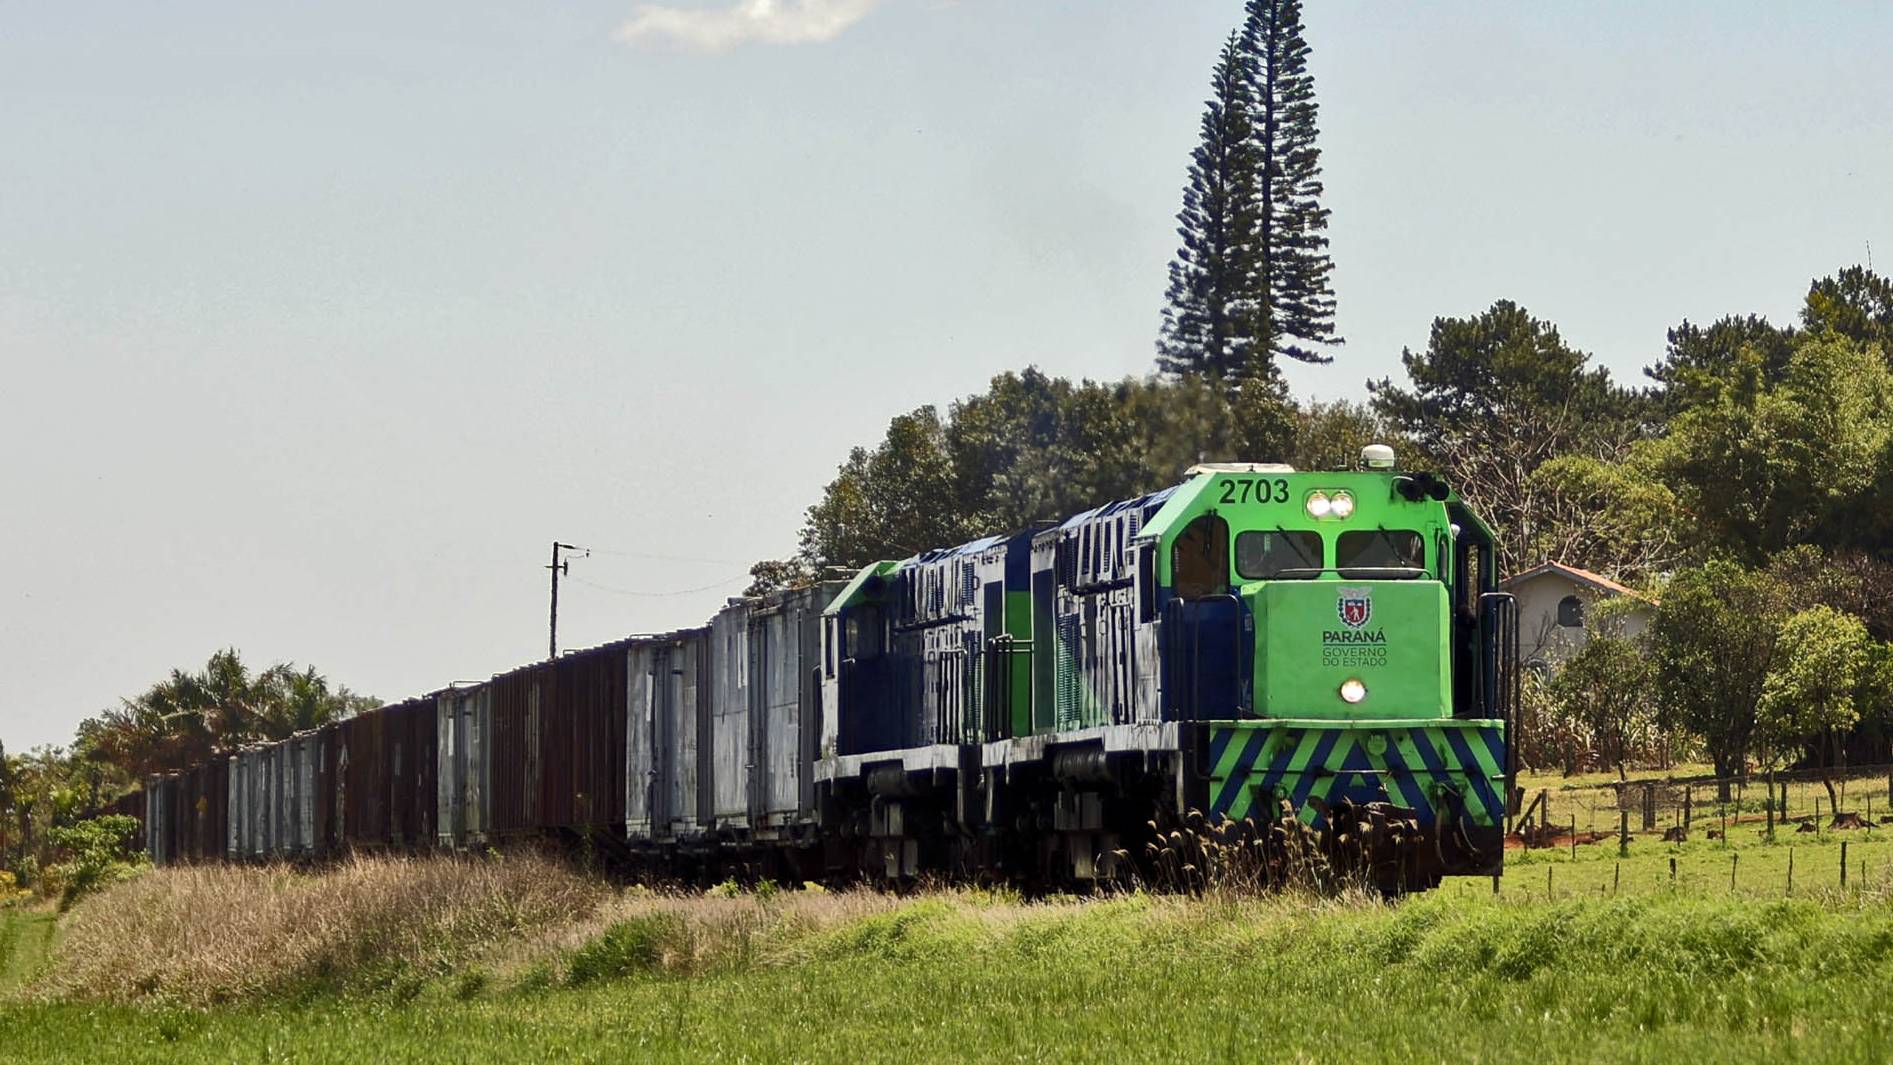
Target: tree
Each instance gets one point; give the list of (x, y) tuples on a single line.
[(1855, 303), (1330, 435), (1712, 642), (1606, 689), (1700, 359), (1253, 279), (1493, 398), (6, 801), (1216, 302), (189, 716), (1293, 240), (890, 502), (1763, 467), (775, 574), (1266, 418), (1029, 449), (1612, 518), (1808, 698)]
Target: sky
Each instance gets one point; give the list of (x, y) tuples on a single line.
[(318, 323)]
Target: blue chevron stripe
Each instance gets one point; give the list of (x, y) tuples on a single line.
[(1475, 776), (1409, 787), (1495, 745), (1356, 761), (1219, 745), (1256, 739), (1278, 766), (1323, 748), (1428, 756)]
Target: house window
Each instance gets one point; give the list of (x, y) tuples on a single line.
[(1571, 612)]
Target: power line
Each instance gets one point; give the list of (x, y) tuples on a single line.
[(668, 558), (657, 595)]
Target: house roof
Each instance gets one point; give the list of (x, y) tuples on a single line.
[(1575, 576)]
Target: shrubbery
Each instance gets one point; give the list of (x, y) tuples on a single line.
[(101, 851)]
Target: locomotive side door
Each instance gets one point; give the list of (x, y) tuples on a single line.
[(1202, 626)]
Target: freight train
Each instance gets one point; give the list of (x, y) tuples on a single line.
[(1321, 657)]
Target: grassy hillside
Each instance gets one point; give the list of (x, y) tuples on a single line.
[(1660, 975)]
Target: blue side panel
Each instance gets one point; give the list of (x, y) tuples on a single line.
[(1208, 666), (870, 720)]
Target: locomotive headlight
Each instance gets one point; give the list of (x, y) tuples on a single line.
[(1353, 691), (1319, 505), (1341, 505)]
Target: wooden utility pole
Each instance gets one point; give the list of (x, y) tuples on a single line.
[(557, 567)]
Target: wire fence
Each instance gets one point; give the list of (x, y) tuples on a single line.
[(1857, 797), (1764, 835)]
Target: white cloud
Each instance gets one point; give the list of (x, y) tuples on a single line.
[(746, 22)]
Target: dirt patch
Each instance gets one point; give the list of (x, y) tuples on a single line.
[(1543, 838)]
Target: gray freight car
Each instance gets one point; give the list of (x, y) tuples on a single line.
[(464, 724), (724, 723)]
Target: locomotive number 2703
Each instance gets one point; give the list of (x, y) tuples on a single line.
[(1265, 491)]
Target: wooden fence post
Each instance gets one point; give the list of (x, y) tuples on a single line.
[(1770, 804), (1790, 870), (1623, 833), (1733, 859), (1689, 805), (1843, 863)]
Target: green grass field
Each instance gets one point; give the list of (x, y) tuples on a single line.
[(1653, 971)]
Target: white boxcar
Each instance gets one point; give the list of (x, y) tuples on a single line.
[(666, 731), (732, 754), (784, 652), (464, 728)]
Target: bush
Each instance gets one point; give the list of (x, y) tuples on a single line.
[(100, 854), (629, 947), (10, 890)]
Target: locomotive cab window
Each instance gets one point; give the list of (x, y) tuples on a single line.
[(1199, 563), (863, 633), (1383, 553), (1147, 582), (1279, 554)]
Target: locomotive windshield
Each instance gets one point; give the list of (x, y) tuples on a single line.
[(1278, 554), (1385, 553)]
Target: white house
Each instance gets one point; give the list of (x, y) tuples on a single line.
[(1554, 607)]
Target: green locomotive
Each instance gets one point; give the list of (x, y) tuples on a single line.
[(1257, 646)]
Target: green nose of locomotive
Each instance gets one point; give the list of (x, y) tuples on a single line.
[(1350, 650), (1374, 693)]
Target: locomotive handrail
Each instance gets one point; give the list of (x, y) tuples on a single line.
[(1498, 624)]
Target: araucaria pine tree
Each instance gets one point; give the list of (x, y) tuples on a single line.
[(1215, 299), (1252, 279), (1294, 243)]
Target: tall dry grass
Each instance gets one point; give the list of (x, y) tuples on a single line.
[(681, 934), (209, 934), (396, 926)]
